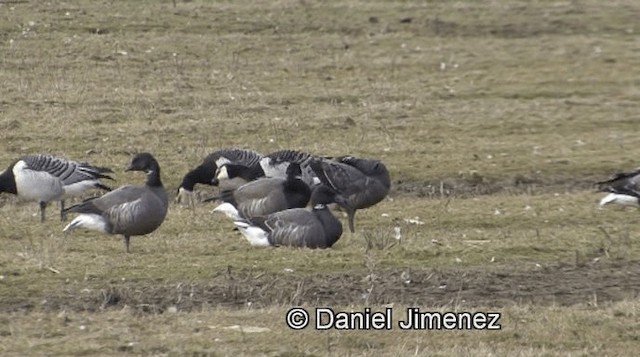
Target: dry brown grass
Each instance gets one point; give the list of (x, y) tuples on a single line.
[(494, 119)]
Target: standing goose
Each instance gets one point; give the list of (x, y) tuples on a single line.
[(623, 188), (267, 195), (276, 163), (129, 210), (296, 227), (205, 172), (360, 182), (45, 178)]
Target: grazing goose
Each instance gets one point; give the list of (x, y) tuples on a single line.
[(205, 172), (46, 178), (267, 195), (623, 188), (296, 227), (276, 163), (129, 210), (360, 182)]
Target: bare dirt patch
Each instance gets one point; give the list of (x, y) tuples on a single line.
[(561, 285)]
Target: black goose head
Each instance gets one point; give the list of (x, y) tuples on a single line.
[(8, 180), (203, 174), (142, 162), (147, 163)]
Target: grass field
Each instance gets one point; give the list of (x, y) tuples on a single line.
[(494, 118)]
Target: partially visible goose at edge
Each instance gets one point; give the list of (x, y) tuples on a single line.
[(623, 188), (361, 183), (266, 195), (45, 178), (129, 210), (206, 171), (276, 163), (296, 227)]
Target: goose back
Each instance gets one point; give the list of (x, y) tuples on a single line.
[(206, 171), (276, 164)]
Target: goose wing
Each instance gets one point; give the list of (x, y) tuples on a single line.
[(69, 172), (370, 167), (138, 216), (235, 155), (295, 227), (342, 178), (99, 205)]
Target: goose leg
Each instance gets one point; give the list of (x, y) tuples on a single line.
[(126, 244), (351, 213), (63, 215), (43, 205)]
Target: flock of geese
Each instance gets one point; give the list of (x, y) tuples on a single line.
[(280, 199)]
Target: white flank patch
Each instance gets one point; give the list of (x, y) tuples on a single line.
[(75, 189), (624, 200), (228, 210), (256, 236), (89, 221)]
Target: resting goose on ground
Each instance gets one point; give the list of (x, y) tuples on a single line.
[(623, 188), (361, 183), (266, 195), (296, 227), (205, 172), (276, 163), (46, 178), (129, 210)]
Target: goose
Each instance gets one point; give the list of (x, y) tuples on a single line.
[(361, 183), (206, 171), (296, 227), (276, 163), (129, 210), (623, 188), (266, 195), (45, 178)]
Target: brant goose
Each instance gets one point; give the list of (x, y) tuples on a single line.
[(45, 178), (129, 210), (296, 227), (361, 183)]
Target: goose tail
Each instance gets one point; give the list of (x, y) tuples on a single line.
[(90, 221)]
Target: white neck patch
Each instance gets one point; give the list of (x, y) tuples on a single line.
[(319, 206), (223, 174)]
